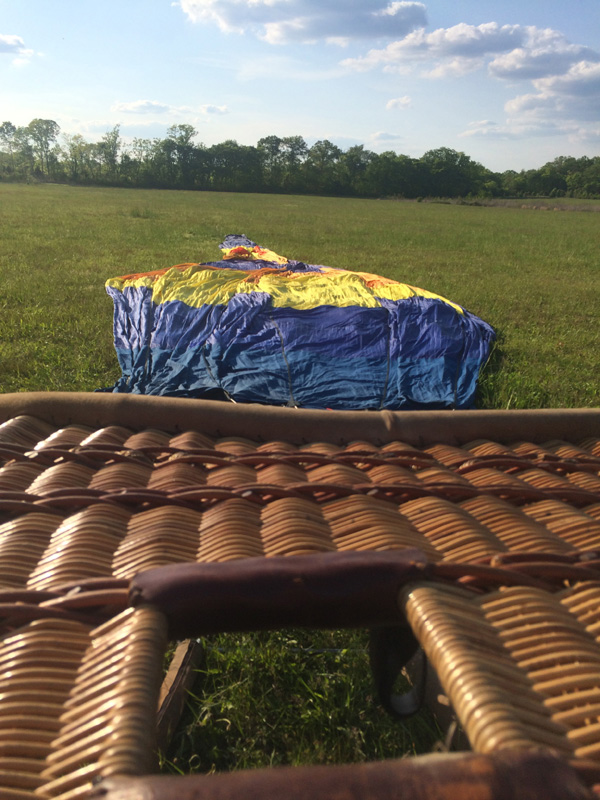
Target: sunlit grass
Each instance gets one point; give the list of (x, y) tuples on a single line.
[(533, 274), (294, 697)]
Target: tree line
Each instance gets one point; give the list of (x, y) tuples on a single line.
[(38, 152)]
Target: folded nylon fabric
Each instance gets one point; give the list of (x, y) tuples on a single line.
[(259, 328)]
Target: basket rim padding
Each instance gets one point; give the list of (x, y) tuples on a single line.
[(417, 428)]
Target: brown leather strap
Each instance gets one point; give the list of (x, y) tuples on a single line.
[(500, 776), (326, 590), (300, 425)]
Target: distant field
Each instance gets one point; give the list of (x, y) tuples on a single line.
[(533, 274)]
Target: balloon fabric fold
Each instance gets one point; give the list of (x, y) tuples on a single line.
[(259, 328)]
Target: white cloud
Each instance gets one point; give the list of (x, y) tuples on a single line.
[(399, 102), (567, 104), (142, 107), (309, 21), (586, 136), (340, 41), (384, 138), (15, 46), (392, 9), (565, 76), (491, 130), (581, 80), (544, 52), (530, 104), (515, 129), (511, 51), (462, 41), (209, 109), (454, 67), (573, 97), (153, 107), (11, 44)]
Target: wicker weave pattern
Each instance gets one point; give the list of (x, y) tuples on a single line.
[(78, 503), (38, 664), (521, 666), (77, 702)]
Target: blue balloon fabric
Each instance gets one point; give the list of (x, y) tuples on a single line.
[(258, 328)]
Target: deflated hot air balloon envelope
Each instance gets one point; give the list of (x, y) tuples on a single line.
[(259, 328)]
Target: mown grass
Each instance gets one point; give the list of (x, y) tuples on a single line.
[(533, 274), (291, 697)]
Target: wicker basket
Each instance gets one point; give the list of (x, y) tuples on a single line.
[(484, 528)]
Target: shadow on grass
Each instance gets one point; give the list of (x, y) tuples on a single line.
[(491, 375), (507, 385), (287, 698)]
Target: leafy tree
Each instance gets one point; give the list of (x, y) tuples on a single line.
[(353, 166), (234, 167), (452, 173), (567, 165), (511, 183), (7, 138), (108, 149), (588, 180), (281, 162), (390, 175), (294, 151), (136, 162), (164, 163), (271, 162), (43, 134), (321, 167), (550, 181), (182, 150), (25, 166), (79, 160), (276, 164)]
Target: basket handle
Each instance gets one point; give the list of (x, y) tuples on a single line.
[(325, 590), (497, 776)]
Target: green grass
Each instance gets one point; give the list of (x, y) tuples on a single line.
[(292, 697), (533, 274)]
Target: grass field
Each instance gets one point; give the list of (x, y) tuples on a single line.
[(533, 274)]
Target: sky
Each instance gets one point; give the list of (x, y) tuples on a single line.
[(511, 83)]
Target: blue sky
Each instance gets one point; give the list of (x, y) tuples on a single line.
[(512, 84)]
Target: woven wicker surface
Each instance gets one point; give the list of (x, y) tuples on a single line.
[(77, 702), (521, 666), (78, 502)]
